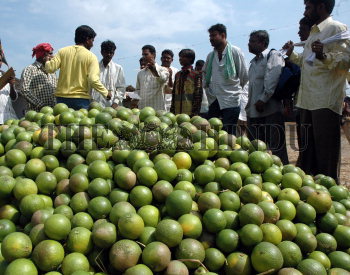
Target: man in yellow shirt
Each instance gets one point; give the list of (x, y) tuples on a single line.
[(321, 92), (79, 71)]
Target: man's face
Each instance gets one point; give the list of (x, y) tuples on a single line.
[(184, 61), (47, 57), (311, 11), (198, 68), (304, 32), (166, 60), (89, 43), (143, 64), (216, 39), (255, 46), (107, 55), (150, 57)]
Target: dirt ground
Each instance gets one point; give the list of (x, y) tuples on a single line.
[(345, 153)]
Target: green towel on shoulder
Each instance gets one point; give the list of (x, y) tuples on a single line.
[(230, 68)]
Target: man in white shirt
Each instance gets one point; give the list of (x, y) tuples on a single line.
[(322, 90), (111, 76), (225, 75), (264, 112), (168, 58), (151, 81)]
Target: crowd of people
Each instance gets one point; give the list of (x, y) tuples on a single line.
[(221, 86)]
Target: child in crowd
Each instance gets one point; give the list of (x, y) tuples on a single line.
[(188, 89)]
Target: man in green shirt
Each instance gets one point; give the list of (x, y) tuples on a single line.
[(79, 71)]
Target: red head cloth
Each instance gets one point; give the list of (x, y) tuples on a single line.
[(40, 50)]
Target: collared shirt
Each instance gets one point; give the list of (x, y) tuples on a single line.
[(38, 87), (79, 72), (187, 92), (151, 88), (226, 91), (322, 83), (6, 108), (112, 77), (264, 73)]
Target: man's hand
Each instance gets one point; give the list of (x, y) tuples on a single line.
[(259, 106), (12, 80), (317, 48), (151, 64), (114, 105), (289, 46), (109, 95)]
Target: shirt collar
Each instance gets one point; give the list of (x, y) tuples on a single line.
[(320, 27), (261, 55), (38, 64), (187, 68), (224, 51), (108, 65)]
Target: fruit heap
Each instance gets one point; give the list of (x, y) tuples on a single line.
[(138, 192)]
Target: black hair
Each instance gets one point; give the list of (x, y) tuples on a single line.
[(329, 4), (189, 54), (108, 46), (306, 21), (200, 62), (150, 48), (220, 28), (83, 33), (262, 36), (142, 59), (169, 52)]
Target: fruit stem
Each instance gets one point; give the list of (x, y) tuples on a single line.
[(267, 272), (194, 261), (141, 244)]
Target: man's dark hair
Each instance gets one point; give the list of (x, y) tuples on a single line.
[(200, 62), (108, 46), (306, 21), (169, 52), (329, 4), (220, 28), (83, 33), (262, 36), (150, 48), (189, 54)]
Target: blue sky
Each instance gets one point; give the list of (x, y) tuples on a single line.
[(131, 24)]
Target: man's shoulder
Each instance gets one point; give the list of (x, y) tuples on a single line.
[(236, 49), (31, 67), (335, 26), (66, 49), (116, 65)]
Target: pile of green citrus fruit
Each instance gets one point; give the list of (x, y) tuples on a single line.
[(139, 192)]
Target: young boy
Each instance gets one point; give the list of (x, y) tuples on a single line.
[(187, 90)]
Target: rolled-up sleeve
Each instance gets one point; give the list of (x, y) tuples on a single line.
[(120, 87), (163, 74), (274, 67), (296, 58), (54, 64), (94, 77)]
